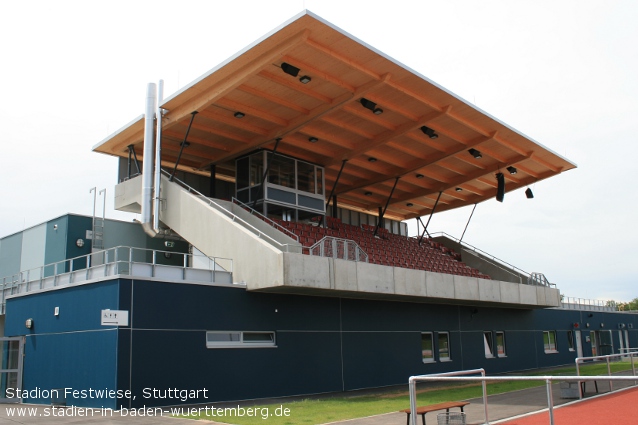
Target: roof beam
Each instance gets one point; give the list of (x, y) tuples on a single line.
[(293, 84), (226, 85), (274, 99), (455, 182), (307, 69), (233, 122), (249, 110), (419, 163), (194, 139), (387, 136), (299, 122)]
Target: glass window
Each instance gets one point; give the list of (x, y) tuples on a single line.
[(427, 349), (238, 339), (488, 344), (500, 344), (444, 346), (242, 172), (305, 177), (256, 168), (282, 171), (319, 181), (570, 340), (549, 341)]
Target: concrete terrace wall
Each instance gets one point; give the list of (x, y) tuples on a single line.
[(365, 279), (214, 234)]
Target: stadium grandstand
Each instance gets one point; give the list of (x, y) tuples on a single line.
[(271, 256)]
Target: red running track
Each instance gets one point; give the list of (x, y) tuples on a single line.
[(620, 408)]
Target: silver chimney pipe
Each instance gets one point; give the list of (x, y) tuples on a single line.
[(158, 158), (147, 166)]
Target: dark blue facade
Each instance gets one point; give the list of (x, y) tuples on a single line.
[(323, 344)]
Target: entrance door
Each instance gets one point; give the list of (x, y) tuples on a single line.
[(594, 343), (579, 344), (605, 343), (11, 350)]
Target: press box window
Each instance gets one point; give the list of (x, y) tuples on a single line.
[(427, 347), (237, 339), (549, 341)]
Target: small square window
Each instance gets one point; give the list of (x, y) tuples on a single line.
[(427, 347), (488, 344), (549, 341), (500, 344), (444, 346)]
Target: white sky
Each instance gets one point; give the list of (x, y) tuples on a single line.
[(563, 73)]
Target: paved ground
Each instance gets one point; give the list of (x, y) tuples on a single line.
[(499, 407)]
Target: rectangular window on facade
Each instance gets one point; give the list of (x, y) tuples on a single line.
[(488, 344), (500, 344), (549, 341), (239, 339), (427, 347), (570, 340), (444, 346)]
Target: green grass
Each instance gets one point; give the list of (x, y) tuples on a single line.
[(311, 412)]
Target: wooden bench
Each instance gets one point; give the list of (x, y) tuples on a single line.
[(434, 407)]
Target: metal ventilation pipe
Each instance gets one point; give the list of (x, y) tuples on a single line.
[(147, 166), (158, 158)]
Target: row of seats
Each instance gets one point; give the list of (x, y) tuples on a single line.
[(386, 248)]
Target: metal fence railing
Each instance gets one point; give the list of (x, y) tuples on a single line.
[(457, 378), (120, 260), (343, 249), (606, 358)]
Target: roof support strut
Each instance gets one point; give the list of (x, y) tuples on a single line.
[(334, 186), (131, 151), (376, 229), (468, 222), (182, 145), (425, 228)]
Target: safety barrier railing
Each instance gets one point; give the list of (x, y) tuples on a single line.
[(120, 260), (262, 217), (344, 249), (573, 303), (234, 217), (482, 253), (607, 359), (484, 379)]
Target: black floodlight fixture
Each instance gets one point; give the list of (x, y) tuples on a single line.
[(313, 139), (419, 176), (305, 79), (289, 69), (476, 154), (368, 193), (239, 114), (512, 170), (458, 189), (429, 132), (529, 193), (409, 204), (368, 104), (372, 159)]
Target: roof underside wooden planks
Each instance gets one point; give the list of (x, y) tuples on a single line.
[(343, 71)]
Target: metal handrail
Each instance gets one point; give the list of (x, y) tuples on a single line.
[(548, 384), (105, 257), (273, 223), (480, 251), (607, 357), (329, 246), (585, 302), (234, 217)]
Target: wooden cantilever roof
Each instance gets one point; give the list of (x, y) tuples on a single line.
[(378, 148)]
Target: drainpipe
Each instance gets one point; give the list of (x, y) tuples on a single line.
[(147, 166), (158, 158)]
